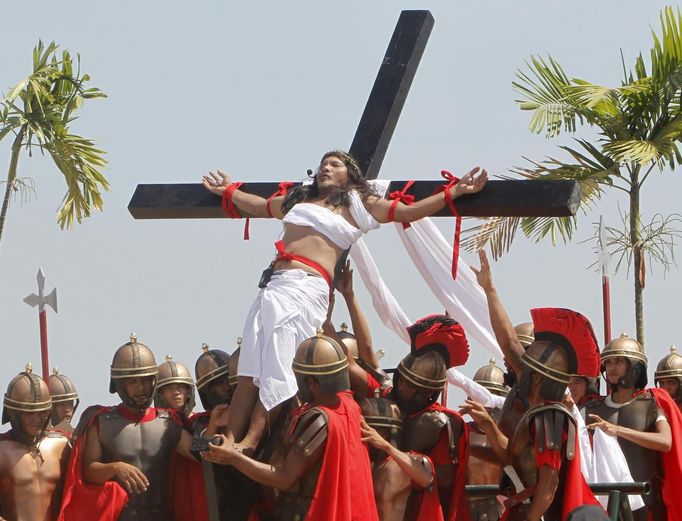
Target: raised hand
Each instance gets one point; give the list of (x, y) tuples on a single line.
[(216, 182), (470, 183), (484, 275), (132, 478), (478, 413), (344, 283)]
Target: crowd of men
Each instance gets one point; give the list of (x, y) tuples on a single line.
[(355, 444), (303, 425)]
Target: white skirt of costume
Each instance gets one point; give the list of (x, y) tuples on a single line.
[(286, 312)]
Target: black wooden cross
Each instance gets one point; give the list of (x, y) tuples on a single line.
[(378, 121)]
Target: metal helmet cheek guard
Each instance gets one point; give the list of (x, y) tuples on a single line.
[(321, 358), (212, 365), (426, 373), (26, 393), (172, 372), (132, 360)]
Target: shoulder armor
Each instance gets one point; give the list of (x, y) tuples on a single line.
[(310, 431), (423, 432), (549, 421)]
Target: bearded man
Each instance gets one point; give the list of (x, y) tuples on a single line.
[(321, 221), (32, 459)]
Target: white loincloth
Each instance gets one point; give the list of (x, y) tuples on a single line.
[(285, 313)]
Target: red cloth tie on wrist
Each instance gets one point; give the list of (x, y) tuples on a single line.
[(231, 210), (452, 181), (403, 197), (281, 190)]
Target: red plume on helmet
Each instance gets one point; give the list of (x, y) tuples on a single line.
[(574, 332), (442, 334)]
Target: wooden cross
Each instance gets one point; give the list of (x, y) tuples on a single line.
[(372, 137)]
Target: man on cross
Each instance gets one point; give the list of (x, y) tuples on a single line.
[(321, 221)]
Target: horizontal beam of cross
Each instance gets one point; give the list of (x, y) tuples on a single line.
[(526, 198)]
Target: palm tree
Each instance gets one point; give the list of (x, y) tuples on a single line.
[(639, 126), (38, 112)]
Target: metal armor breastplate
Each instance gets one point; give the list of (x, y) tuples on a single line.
[(423, 432), (146, 446), (639, 414)]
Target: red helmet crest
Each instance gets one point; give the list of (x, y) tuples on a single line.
[(440, 333)]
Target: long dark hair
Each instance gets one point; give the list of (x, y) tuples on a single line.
[(339, 197)]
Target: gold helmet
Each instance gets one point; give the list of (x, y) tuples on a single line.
[(172, 372), (492, 378), (26, 393), (348, 340), (132, 360), (212, 368), (551, 362), (670, 367), (383, 415), (321, 358), (525, 333), (629, 348), (62, 390), (427, 373)]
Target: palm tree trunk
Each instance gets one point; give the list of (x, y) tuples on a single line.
[(11, 177), (637, 264)]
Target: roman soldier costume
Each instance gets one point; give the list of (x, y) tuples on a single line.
[(62, 390), (31, 465), (483, 470), (546, 434), (437, 343), (328, 490), (140, 436)]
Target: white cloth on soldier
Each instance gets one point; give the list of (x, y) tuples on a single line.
[(286, 312), (474, 390)]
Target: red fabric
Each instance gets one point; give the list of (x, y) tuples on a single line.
[(429, 506), (188, 495), (400, 196), (133, 416), (282, 254), (452, 336), (452, 181), (576, 329), (231, 210), (282, 189), (440, 455), (83, 500), (672, 460), (345, 464)]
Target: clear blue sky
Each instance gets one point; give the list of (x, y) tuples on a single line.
[(262, 89)]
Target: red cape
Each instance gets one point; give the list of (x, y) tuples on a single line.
[(84, 501), (344, 489), (187, 491), (459, 507), (672, 460), (429, 507)]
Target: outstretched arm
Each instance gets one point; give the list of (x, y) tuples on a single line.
[(469, 184), (217, 182), (502, 326), (358, 321), (660, 441)]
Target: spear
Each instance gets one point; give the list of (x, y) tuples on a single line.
[(604, 258), (40, 300)]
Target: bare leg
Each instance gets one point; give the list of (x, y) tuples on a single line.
[(261, 420), (241, 408)]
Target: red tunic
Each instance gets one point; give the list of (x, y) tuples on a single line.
[(429, 507), (672, 460), (344, 489), (83, 500)]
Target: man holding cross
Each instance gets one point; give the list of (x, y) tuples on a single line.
[(321, 221)]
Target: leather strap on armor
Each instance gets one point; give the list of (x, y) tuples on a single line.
[(549, 421), (310, 432), (454, 433)]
